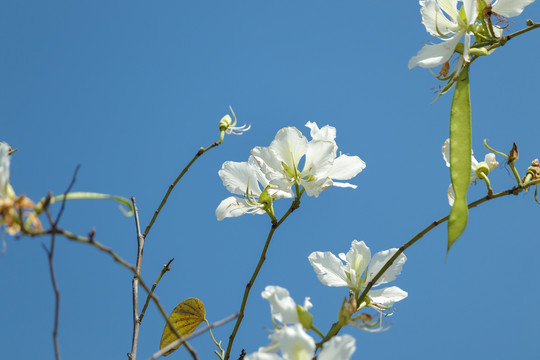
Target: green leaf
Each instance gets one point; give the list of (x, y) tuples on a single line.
[(186, 317), (460, 156)]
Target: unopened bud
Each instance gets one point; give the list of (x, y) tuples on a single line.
[(513, 155), (305, 318)]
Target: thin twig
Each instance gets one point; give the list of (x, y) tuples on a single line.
[(294, 206), (91, 241), (179, 342), (166, 268), (135, 284), (50, 256), (171, 187)]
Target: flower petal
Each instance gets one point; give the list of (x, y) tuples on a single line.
[(329, 268), (320, 156), (238, 176), (446, 152), (388, 296), (435, 21), (290, 146), (282, 306), (234, 207), (379, 260), (510, 8), (451, 195), (4, 169), (434, 55), (327, 133), (339, 347), (358, 257), (295, 343), (346, 167)]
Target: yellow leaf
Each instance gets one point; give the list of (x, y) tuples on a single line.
[(186, 317)]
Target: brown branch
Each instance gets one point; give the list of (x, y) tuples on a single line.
[(50, 255), (135, 284)]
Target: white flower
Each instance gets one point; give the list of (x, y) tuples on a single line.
[(449, 28), (487, 165), (4, 169), (243, 178), (359, 269), (282, 306), (228, 126), (280, 161), (295, 344)]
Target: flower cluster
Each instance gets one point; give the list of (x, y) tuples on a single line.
[(291, 321), (472, 22), (272, 172), (290, 337), (12, 207)]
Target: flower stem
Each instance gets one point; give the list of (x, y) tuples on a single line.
[(295, 205), (171, 187)]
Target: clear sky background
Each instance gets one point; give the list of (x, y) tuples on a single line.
[(131, 90)]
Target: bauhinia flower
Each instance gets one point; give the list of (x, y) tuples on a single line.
[(443, 20), (450, 28), (359, 269), (284, 309), (246, 179), (228, 126), (477, 168), (11, 206), (281, 160), (295, 344)]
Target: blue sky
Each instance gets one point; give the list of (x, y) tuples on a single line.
[(131, 90)]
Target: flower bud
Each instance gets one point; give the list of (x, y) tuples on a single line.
[(478, 52), (305, 318)]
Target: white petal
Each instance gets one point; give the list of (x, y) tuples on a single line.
[(451, 195), (491, 161), (329, 268), (269, 162), (471, 10), (290, 146), (434, 55), (343, 185), (320, 156), (316, 186), (237, 176), (435, 21), (234, 207), (262, 356), (295, 343), (510, 8), (327, 133), (446, 152), (388, 296), (358, 257), (338, 348), (282, 306), (4, 169), (307, 303), (346, 167), (379, 260)]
